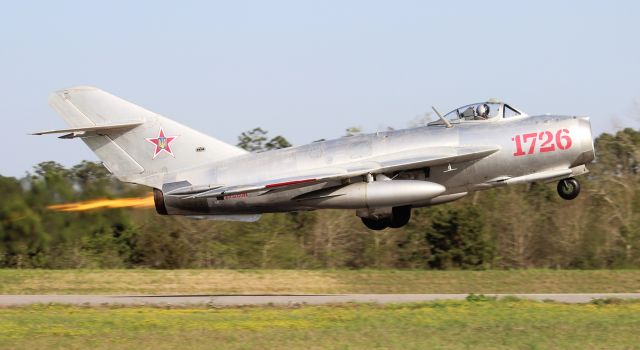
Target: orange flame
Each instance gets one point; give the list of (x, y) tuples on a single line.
[(104, 203)]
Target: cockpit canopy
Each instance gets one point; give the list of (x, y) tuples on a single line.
[(480, 112)]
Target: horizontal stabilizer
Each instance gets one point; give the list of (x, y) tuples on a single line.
[(94, 128)]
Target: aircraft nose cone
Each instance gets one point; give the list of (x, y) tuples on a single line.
[(586, 140)]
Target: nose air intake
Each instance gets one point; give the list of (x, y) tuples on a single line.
[(588, 153)]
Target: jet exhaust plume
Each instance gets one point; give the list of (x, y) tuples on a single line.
[(104, 203)]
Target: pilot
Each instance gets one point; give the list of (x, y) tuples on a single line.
[(468, 114), (482, 112)]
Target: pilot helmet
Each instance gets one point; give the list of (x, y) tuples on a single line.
[(483, 110)]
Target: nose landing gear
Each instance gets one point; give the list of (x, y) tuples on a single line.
[(568, 189)]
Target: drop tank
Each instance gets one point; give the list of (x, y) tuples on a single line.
[(372, 194)]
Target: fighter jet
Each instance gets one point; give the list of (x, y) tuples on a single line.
[(381, 176)]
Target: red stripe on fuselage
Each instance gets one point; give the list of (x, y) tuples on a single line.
[(280, 184)]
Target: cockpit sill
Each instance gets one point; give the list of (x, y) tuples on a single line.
[(482, 112)]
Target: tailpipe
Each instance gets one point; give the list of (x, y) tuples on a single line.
[(158, 200)]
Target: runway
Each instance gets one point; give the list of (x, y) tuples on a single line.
[(238, 300)]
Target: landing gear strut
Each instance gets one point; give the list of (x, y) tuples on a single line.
[(568, 188), (400, 216)]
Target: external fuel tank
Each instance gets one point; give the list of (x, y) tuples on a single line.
[(372, 194)]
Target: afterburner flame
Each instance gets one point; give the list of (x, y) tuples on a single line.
[(104, 203)]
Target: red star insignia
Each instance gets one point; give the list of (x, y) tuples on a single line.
[(162, 143)]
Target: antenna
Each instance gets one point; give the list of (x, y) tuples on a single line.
[(446, 122)]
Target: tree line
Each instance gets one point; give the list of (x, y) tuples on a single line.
[(521, 226)]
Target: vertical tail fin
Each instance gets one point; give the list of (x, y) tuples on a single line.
[(135, 144)]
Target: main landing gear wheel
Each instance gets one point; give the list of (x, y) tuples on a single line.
[(400, 216), (568, 188), (376, 225)]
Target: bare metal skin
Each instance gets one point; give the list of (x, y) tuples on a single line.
[(381, 176)]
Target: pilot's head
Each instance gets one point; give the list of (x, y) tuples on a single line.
[(483, 110)]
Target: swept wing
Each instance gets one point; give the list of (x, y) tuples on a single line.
[(407, 160)]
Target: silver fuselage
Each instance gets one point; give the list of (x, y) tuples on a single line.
[(509, 162)]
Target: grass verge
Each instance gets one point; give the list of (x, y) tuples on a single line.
[(475, 323)]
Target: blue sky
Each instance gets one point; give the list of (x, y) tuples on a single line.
[(310, 69)]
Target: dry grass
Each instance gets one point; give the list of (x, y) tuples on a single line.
[(158, 282)]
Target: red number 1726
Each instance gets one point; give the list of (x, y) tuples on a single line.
[(562, 141)]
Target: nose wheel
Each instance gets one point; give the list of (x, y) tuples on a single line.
[(568, 189)]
